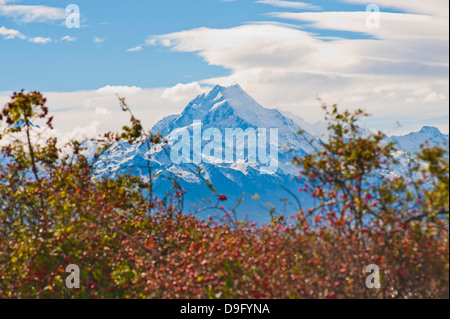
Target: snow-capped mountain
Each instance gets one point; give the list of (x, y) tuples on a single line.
[(411, 143), (230, 107), (221, 109), (226, 108)]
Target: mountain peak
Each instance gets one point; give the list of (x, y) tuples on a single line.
[(227, 107), (430, 130), (227, 88), (220, 104), (222, 98), (230, 93), (411, 142)]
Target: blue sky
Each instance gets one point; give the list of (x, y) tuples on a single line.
[(184, 47)]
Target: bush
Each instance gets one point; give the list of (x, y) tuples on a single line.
[(129, 244)]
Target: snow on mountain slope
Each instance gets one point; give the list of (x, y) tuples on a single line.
[(411, 142), (231, 107), (318, 130)]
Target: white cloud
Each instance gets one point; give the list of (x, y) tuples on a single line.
[(40, 40), (125, 90), (8, 34), (244, 47), (102, 111), (289, 4), (392, 25), (31, 13), (434, 97), (74, 112), (182, 92), (68, 38), (99, 40), (135, 49), (433, 7), (151, 41)]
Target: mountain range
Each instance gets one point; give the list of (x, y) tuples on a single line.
[(223, 108)]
